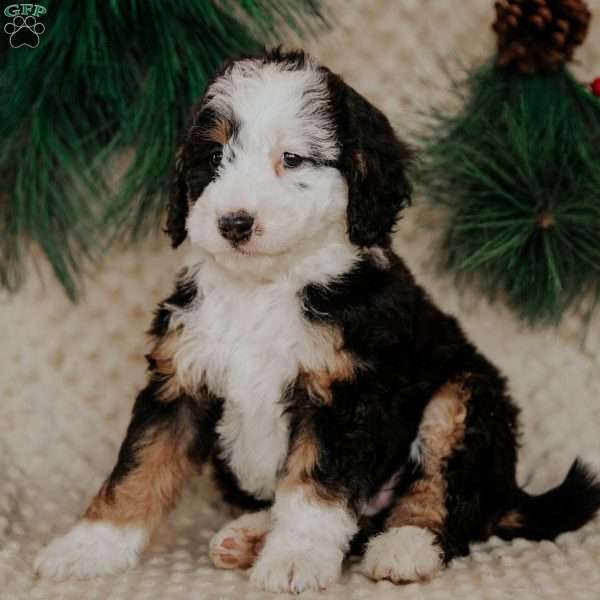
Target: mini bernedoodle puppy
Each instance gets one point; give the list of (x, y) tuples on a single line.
[(339, 407)]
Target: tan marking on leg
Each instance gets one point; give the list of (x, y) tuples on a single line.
[(423, 506), (442, 428), (302, 459), (301, 463), (148, 491), (441, 431)]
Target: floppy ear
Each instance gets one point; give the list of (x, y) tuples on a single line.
[(374, 162), (177, 209)]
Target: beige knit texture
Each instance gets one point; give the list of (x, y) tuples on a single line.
[(70, 372)]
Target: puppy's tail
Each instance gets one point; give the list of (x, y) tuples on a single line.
[(564, 508)]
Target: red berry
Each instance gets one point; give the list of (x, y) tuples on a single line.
[(596, 87)]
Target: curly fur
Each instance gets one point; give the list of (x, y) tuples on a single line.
[(305, 362)]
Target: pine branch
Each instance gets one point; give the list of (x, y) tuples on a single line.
[(109, 80), (519, 167)]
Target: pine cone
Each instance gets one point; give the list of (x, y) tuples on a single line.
[(539, 35)]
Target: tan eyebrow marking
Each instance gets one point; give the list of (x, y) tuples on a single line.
[(221, 131)]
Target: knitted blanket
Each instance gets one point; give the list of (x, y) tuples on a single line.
[(70, 372)]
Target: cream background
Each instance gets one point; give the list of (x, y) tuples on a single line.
[(70, 373)]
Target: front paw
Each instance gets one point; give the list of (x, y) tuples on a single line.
[(289, 570), (91, 548)]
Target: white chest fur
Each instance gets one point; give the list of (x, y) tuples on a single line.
[(247, 342)]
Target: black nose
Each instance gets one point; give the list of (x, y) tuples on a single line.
[(236, 227)]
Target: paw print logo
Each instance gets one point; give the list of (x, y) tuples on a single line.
[(24, 31)]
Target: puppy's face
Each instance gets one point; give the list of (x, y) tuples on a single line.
[(259, 160), (280, 157)]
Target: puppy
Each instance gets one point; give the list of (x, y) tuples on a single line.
[(339, 407)]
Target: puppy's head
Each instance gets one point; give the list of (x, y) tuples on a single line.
[(280, 155)]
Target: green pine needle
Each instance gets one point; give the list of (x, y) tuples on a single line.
[(110, 84), (519, 168)]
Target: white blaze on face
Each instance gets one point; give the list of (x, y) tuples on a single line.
[(296, 210)]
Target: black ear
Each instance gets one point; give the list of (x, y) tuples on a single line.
[(374, 162), (177, 210)]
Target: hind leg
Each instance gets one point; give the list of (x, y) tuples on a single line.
[(409, 548), (466, 453)]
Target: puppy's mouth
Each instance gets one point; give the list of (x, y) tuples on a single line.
[(242, 249)]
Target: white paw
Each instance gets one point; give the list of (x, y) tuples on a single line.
[(293, 570), (402, 554), (238, 543), (91, 548)]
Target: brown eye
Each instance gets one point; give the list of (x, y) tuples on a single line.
[(291, 161), (215, 158)]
